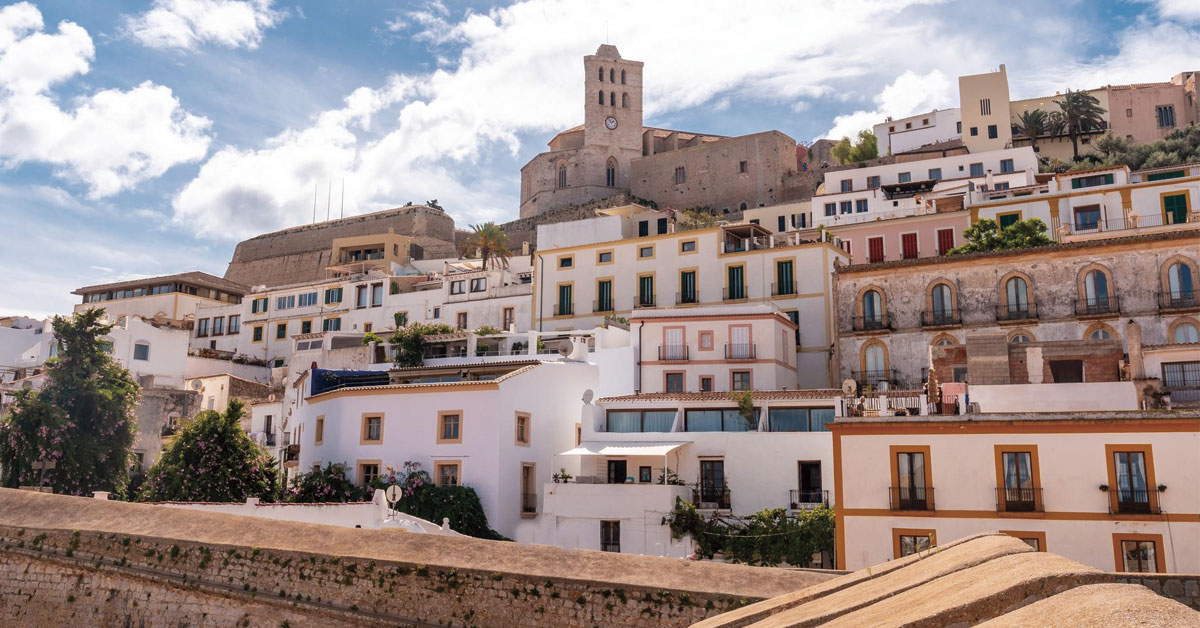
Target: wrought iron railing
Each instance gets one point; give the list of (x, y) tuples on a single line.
[(910, 498), (1017, 499), (684, 298), (603, 305), (711, 497), (564, 309), (673, 353), (1177, 299), (778, 289), (941, 318), (1097, 305), (875, 322), (740, 351), (801, 500), (1016, 312), (1133, 501)]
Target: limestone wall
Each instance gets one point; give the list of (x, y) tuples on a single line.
[(1183, 588)]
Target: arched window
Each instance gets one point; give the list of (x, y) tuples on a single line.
[(610, 173), (874, 361), (872, 309), (602, 77), (612, 99), (612, 76), (1100, 334), (941, 304), (1095, 291), (602, 97), (944, 341), (1018, 338), (562, 176), (742, 207), (1180, 283), (1185, 332), (625, 100), (622, 77), (1016, 291)]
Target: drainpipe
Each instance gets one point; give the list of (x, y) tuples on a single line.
[(637, 385), (538, 288)]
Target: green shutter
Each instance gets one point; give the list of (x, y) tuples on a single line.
[(1159, 176)]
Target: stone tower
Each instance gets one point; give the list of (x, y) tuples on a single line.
[(612, 112)]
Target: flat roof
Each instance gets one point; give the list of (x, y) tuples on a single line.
[(1001, 417), (198, 278), (757, 395)]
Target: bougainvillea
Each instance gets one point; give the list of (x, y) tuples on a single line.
[(213, 459), (331, 484), (82, 421)]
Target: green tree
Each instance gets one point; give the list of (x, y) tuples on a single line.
[(867, 147), (83, 421), (1033, 124), (986, 235), (491, 244), (460, 504), (213, 459), (690, 219), (768, 537), (330, 484), (1078, 112), (409, 341)]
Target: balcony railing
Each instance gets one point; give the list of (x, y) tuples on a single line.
[(644, 300), (1014, 312), (1116, 224), (804, 500), (1098, 306), (711, 497), (1009, 499), (602, 306), (1133, 501), (941, 318), (872, 378), (673, 353), (528, 503), (168, 430), (740, 351), (684, 298), (877, 322), (269, 439), (737, 293), (778, 289), (910, 497), (1177, 300), (292, 453), (564, 309)]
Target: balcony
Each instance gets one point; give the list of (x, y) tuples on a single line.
[(736, 293), (564, 309), (1098, 306), (873, 378), (711, 497), (673, 353), (1083, 226), (602, 306), (807, 500), (528, 503), (1019, 500), (167, 430), (1131, 501), (910, 498), (1016, 313), (269, 439), (686, 298), (780, 289), (941, 318), (877, 322), (291, 454), (644, 300), (1178, 300), (740, 351)]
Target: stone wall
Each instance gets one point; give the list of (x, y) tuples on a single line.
[(155, 407), (183, 582), (1183, 588), (525, 229)]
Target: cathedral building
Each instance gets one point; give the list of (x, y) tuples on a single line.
[(613, 153)]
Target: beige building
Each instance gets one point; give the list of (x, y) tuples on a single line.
[(984, 111), (613, 153)]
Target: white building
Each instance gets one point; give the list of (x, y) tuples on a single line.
[(25, 345), (904, 134)]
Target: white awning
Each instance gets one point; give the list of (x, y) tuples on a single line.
[(623, 448)]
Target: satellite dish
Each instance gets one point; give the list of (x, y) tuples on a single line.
[(849, 387), (197, 384), (588, 395), (393, 493)]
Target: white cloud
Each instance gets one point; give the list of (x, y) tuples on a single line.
[(909, 94), (112, 139), (188, 24), (1186, 10)]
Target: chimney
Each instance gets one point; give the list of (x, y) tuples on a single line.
[(525, 248), (1137, 365)]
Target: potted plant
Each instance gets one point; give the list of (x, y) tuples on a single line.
[(1104, 488), (562, 477), (1162, 488)]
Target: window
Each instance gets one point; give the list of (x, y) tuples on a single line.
[(739, 380), (218, 326), (860, 207), (376, 295), (528, 490), (1091, 181), (372, 429), (257, 334), (646, 291), (662, 226), (639, 421), (872, 308), (847, 185), (945, 240), (1162, 176), (604, 296), (742, 167), (1165, 114), (460, 320), (449, 427), (285, 303), (1087, 217), (907, 541), (993, 132), (1016, 291), (479, 284), (713, 492), (875, 250), (912, 486), (258, 306), (907, 125), (235, 324), (645, 251), (1185, 333), (643, 228), (602, 80), (830, 209), (785, 278), (319, 431), (1007, 220), (1017, 339), (977, 170), (706, 340), (603, 257), (1131, 479), (610, 173), (735, 287), (1139, 553), (1175, 208), (622, 77), (799, 419), (782, 224), (202, 328), (566, 300), (847, 207), (1181, 374), (687, 246), (333, 295), (1006, 165), (1095, 291), (331, 324), (1017, 483), (719, 420), (974, 131), (456, 287), (446, 473), (507, 317), (904, 177), (612, 96), (1100, 334), (522, 429), (308, 298), (935, 173), (610, 536), (141, 351), (306, 327), (908, 245), (281, 331), (673, 382), (985, 106), (680, 175), (706, 383), (368, 472), (687, 287), (958, 127), (942, 298)]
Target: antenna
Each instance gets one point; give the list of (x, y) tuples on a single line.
[(328, 197), (343, 197), (315, 184)]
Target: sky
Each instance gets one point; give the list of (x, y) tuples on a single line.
[(147, 137)]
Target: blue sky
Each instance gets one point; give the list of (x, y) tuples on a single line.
[(147, 137)]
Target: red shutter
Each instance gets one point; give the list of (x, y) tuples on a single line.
[(875, 250), (945, 239), (909, 243)]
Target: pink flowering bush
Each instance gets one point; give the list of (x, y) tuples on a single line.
[(330, 484)]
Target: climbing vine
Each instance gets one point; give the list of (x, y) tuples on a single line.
[(768, 537)]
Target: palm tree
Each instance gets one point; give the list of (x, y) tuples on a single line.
[(1079, 112), (491, 243), (1032, 125)]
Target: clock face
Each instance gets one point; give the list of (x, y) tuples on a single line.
[(610, 122)]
